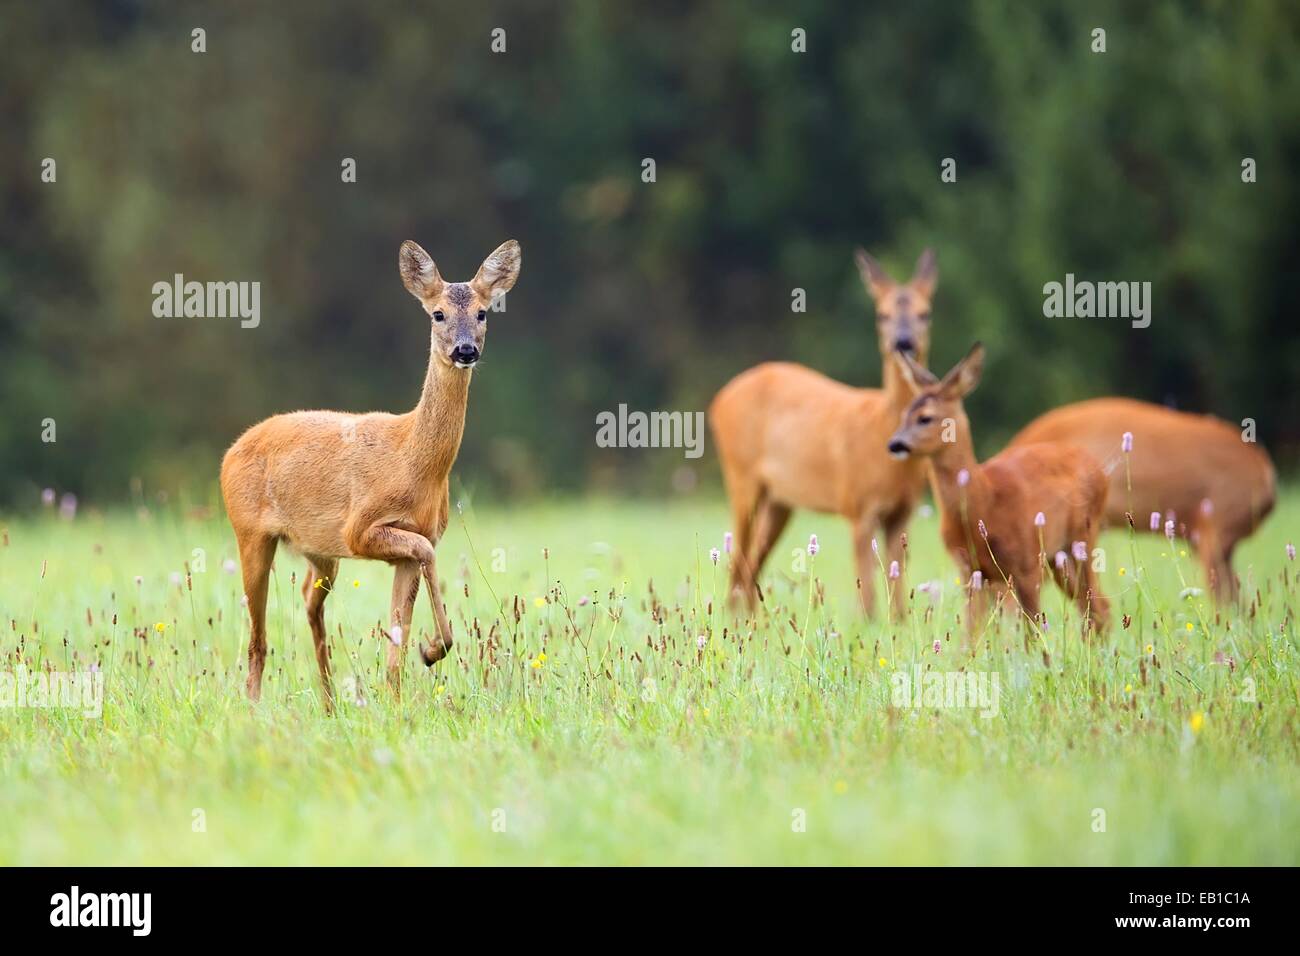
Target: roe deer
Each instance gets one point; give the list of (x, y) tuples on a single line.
[(789, 437), (1194, 470), (989, 513), (333, 485)]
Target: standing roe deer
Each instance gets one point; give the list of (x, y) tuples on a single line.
[(334, 485), (1194, 470), (989, 512), (789, 437)]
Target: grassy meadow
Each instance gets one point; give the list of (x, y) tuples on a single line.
[(600, 706)]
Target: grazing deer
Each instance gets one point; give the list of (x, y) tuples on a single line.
[(333, 485), (789, 437), (1194, 470), (989, 512)]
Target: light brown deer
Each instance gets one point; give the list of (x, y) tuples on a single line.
[(1193, 470), (333, 485), (789, 437), (989, 513)]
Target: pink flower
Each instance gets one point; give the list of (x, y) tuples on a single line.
[(1060, 560), (1169, 529), (937, 647), (584, 601), (1040, 520), (68, 506), (984, 532), (47, 497), (1290, 551), (963, 478), (812, 545), (1126, 442), (1155, 521), (977, 580), (701, 641), (395, 635), (726, 542), (1080, 550), (713, 555), (875, 546), (893, 570)]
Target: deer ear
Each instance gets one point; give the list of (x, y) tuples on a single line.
[(926, 275), (873, 275), (497, 275), (965, 375), (419, 274), (917, 376)]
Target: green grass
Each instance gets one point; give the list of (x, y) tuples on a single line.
[(630, 744)]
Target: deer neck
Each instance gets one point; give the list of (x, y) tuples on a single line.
[(948, 463), (898, 393), (438, 422)]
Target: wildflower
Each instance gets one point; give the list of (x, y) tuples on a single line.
[(539, 602), (47, 497), (1128, 688), (976, 580), (535, 664), (984, 532), (1186, 593), (546, 554), (1169, 529), (937, 647), (713, 555), (584, 601), (68, 506), (1290, 551), (356, 583), (1126, 442), (1190, 626), (812, 545), (963, 478), (1155, 521), (542, 657), (882, 662), (395, 635), (229, 566), (160, 627), (1060, 560), (175, 578), (726, 542), (440, 688), (1040, 520), (841, 786), (893, 570), (320, 583), (1123, 571), (1197, 722), (1151, 649), (701, 641), (1080, 550)]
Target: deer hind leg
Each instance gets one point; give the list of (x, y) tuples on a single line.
[(864, 530), (893, 526), (256, 552), (1215, 552), (769, 522), (321, 574), (437, 648)]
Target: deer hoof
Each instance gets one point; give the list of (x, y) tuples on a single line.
[(432, 652)]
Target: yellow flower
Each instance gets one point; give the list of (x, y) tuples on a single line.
[(1151, 648), (1189, 625), (1123, 571), (882, 662), (160, 627), (704, 711), (320, 582), (539, 602), (356, 583), (1197, 722), (535, 664), (1128, 688), (440, 688), (542, 657), (841, 786), (1182, 553)]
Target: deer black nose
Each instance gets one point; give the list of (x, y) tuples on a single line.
[(905, 344), (464, 355), (898, 448)]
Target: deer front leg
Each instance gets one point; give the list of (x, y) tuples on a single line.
[(863, 529), (893, 526), (436, 649), (406, 586), (407, 551)]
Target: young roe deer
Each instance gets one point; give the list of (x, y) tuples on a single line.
[(789, 437), (989, 512), (1194, 470), (333, 485)]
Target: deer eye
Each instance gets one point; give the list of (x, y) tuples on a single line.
[(925, 419), (481, 315), (438, 316)]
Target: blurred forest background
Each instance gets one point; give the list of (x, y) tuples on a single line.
[(771, 166)]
